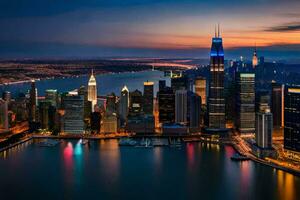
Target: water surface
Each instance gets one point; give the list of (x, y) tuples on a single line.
[(104, 170)]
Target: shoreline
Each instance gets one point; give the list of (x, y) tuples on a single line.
[(65, 77), (185, 139)]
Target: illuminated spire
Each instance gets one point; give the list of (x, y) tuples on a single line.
[(215, 31), (218, 30)]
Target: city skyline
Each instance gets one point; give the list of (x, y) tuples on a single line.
[(147, 28)]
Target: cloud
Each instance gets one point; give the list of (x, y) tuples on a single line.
[(289, 27)]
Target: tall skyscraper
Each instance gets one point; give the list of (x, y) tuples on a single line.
[(124, 105), (148, 98), (166, 104), (277, 107), (33, 102), (200, 88), (292, 119), (216, 101), (245, 121), (254, 59), (73, 104), (92, 91), (52, 96), (264, 129), (181, 106)]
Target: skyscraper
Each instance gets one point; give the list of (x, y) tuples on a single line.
[(124, 105), (264, 129), (44, 113), (148, 98), (292, 119), (254, 59), (245, 121), (216, 101), (92, 91), (194, 110), (136, 103), (181, 106), (179, 83), (33, 102), (200, 88), (166, 104), (277, 107), (73, 104), (51, 96)]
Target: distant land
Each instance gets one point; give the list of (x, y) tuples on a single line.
[(27, 69)]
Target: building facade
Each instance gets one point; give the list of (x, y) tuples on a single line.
[(216, 101), (245, 121)]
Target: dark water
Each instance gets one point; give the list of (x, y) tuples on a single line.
[(106, 171), (106, 83)]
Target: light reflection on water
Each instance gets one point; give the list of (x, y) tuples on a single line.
[(196, 167)]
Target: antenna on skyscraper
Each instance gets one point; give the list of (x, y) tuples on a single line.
[(218, 30), (215, 30)]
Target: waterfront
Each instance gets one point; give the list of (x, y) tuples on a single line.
[(105, 170), (107, 83)]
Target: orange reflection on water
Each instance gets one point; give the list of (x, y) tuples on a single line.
[(286, 185), (110, 158)]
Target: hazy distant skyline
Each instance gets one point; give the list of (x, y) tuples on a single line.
[(100, 28)]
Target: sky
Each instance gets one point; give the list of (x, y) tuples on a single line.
[(147, 28)]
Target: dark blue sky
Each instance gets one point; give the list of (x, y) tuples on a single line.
[(101, 28)]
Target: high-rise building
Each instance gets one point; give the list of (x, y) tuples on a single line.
[(124, 105), (111, 104), (216, 101), (179, 83), (44, 114), (200, 88), (92, 91), (254, 59), (33, 96), (87, 104), (262, 100), (136, 103), (264, 129), (3, 115), (194, 110), (181, 106), (292, 118), (277, 107), (52, 96), (166, 104), (148, 98), (161, 84), (245, 121), (73, 104), (95, 122), (110, 124)]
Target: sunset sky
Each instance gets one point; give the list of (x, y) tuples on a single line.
[(33, 28)]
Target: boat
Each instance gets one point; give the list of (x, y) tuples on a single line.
[(48, 143), (175, 143), (158, 142), (84, 141), (146, 143), (239, 157), (127, 142)]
